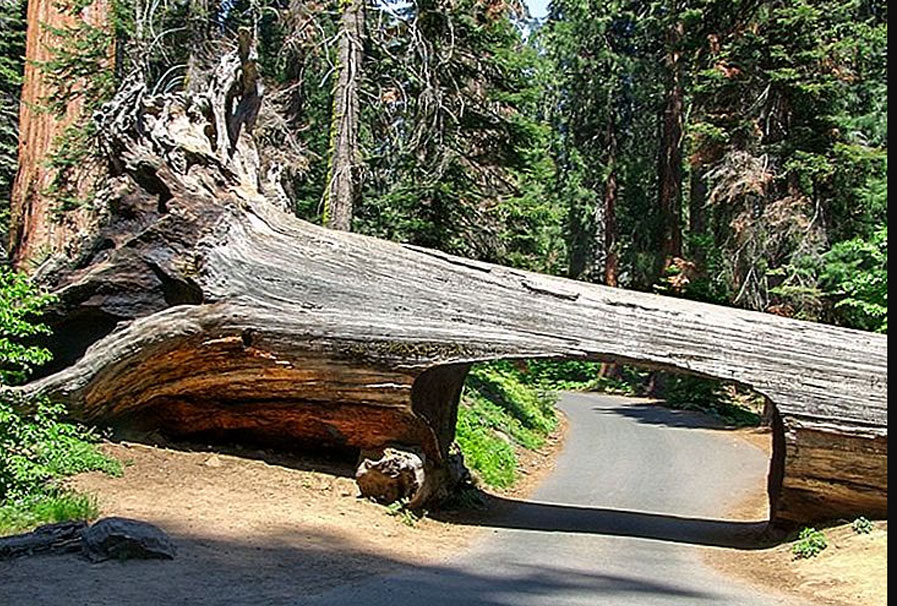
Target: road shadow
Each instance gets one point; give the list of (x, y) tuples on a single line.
[(500, 512), (290, 565), (655, 413)]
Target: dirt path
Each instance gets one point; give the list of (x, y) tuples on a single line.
[(251, 527)]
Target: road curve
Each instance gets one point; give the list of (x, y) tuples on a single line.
[(637, 493)]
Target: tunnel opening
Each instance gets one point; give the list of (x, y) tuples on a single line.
[(503, 407)]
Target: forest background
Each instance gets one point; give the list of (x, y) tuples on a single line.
[(733, 152)]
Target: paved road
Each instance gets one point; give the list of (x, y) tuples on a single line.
[(622, 520)]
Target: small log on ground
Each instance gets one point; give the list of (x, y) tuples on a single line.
[(198, 307), (108, 538), (62, 537), (125, 539)]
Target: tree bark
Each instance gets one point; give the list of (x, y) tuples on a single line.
[(611, 264), (198, 308), (35, 230), (670, 166), (341, 192)]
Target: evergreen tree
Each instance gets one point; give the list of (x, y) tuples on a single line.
[(12, 53)]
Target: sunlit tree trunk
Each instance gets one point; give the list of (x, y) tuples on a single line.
[(35, 230), (342, 187), (611, 259)]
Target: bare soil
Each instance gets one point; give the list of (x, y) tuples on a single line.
[(851, 571), (251, 527)]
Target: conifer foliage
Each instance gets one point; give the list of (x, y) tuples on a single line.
[(733, 152)]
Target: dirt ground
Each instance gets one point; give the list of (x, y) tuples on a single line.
[(851, 571), (251, 527)]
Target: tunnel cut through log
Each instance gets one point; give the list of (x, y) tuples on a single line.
[(232, 315)]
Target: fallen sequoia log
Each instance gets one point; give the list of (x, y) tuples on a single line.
[(196, 306)]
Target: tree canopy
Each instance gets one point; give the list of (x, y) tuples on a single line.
[(732, 152)]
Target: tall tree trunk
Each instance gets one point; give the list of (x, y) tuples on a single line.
[(35, 230), (341, 189), (610, 370), (697, 212), (611, 259), (670, 167)]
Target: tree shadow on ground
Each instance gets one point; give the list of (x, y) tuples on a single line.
[(500, 512), (340, 462), (294, 566), (656, 413)]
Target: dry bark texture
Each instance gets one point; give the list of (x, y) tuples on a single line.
[(207, 310), (339, 199)]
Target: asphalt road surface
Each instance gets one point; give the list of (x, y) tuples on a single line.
[(637, 493)]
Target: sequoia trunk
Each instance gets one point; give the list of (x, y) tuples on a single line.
[(35, 229)]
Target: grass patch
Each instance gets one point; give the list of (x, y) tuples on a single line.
[(46, 509), (38, 450), (498, 412)]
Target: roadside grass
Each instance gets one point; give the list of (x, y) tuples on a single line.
[(46, 509), (498, 413), (37, 451)]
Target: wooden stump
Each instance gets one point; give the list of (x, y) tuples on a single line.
[(393, 476)]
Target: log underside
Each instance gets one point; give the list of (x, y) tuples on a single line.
[(221, 313)]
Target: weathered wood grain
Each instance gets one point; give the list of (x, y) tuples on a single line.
[(234, 316)]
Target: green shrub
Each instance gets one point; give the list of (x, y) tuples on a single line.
[(37, 448), (20, 303), (855, 276), (810, 542), (531, 408), (862, 525), (553, 374)]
